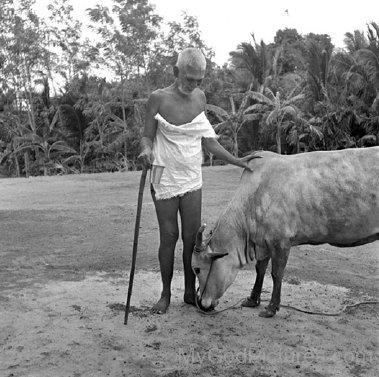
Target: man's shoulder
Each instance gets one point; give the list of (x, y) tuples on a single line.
[(200, 93), (158, 93), (156, 97)]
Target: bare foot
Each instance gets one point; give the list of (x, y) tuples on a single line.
[(190, 298), (161, 306)]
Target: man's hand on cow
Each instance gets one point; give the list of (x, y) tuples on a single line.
[(245, 160)]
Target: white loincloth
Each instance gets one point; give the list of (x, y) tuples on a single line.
[(178, 149)]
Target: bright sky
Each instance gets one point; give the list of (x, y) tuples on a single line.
[(225, 24)]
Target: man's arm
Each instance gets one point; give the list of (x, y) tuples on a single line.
[(214, 147), (150, 129)]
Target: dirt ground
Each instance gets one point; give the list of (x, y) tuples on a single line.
[(65, 255)]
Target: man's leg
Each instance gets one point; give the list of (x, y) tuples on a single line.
[(190, 214), (167, 214)]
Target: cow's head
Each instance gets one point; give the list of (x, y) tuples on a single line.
[(213, 268)]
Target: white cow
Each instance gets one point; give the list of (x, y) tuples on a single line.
[(311, 198)]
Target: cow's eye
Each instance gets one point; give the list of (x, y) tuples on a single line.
[(197, 270)]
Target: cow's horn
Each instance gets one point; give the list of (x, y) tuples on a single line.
[(199, 238)]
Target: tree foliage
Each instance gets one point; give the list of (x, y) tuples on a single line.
[(70, 104)]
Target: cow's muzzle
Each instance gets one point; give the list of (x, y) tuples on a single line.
[(200, 306)]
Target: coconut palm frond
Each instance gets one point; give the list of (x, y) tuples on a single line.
[(370, 62), (344, 61), (246, 56), (355, 41), (373, 36)]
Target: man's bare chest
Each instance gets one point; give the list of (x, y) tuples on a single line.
[(178, 112)]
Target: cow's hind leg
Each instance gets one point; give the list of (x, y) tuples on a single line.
[(255, 296), (278, 260)]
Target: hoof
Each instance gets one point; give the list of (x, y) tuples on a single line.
[(251, 302), (266, 313), (269, 312)]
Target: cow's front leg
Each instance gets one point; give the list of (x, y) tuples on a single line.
[(278, 261), (255, 296)]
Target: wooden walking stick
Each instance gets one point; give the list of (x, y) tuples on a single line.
[(135, 242)]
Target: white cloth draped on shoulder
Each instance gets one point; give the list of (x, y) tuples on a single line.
[(178, 149)]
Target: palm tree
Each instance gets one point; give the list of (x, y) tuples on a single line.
[(276, 111), (355, 41), (369, 59), (353, 99), (261, 63), (317, 69), (253, 59), (233, 122)]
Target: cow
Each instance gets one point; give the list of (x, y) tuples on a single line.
[(310, 198)]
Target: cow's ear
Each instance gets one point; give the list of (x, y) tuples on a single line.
[(216, 255)]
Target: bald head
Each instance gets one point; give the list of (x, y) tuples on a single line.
[(191, 58)]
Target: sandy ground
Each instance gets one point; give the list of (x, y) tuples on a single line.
[(65, 252)]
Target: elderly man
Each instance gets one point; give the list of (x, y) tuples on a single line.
[(176, 127)]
